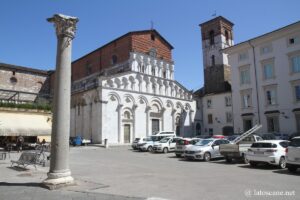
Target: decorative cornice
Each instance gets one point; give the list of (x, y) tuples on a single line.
[(65, 25)]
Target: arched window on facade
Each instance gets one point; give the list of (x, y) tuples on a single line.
[(211, 37), (126, 115), (213, 61), (227, 37), (114, 59)]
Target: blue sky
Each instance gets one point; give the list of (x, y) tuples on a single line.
[(27, 39)]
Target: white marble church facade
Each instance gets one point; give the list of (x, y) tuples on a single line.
[(129, 100)]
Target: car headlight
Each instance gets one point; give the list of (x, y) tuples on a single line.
[(199, 151), (159, 145)]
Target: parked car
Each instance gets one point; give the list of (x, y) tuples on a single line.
[(205, 149), (136, 142), (184, 143), (293, 155), (147, 143), (237, 150), (268, 136), (166, 144), (271, 152), (297, 134), (281, 136), (218, 136), (203, 136)]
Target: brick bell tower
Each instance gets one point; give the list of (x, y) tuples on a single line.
[(216, 35)]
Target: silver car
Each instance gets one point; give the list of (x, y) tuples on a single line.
[(205, 149)]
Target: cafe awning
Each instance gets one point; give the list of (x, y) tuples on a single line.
[(25, 124)]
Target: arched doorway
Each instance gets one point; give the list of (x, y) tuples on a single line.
[(198, 129)]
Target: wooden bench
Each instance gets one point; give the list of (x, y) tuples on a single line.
[(27, 158)]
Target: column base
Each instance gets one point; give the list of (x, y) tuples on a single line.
[(57, 180)]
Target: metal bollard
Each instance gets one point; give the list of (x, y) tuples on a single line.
[(106, 143)]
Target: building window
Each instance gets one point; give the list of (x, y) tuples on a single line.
[(266, 49), (228, 101), (270, 96), (243, 56), (228, 117), (114, 59), (268, 69), (297, 93), (211, 37), (226, 37), (297, 118), (126, 115), (209, 103), (213, 61), (245, 76), (273, 123), (246, 98), (295, 63), (209, 118), (153, 88), (293, 40), (153, 52)]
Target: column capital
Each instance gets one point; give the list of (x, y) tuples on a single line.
[(65, 25)]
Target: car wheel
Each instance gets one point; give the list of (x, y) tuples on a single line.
[(178, 155), (207, 157), (282, 163), (292, 168), (165, 150), (150, 149), (228, 159), (253, 164)]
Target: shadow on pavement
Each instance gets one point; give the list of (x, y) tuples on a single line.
[(30, 184), (286, 172), (260, 167), (19, 169)]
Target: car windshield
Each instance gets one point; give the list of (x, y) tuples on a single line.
[(194, 141), (147, 139), (165, 140), (263, 145), (137, 139), (204, 142), (155, 138)]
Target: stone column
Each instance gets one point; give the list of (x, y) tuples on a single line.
[(59, 173)]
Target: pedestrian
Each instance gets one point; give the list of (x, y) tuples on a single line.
[(20, 141)]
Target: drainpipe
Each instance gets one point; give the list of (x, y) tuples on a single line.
[(255, 77)]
